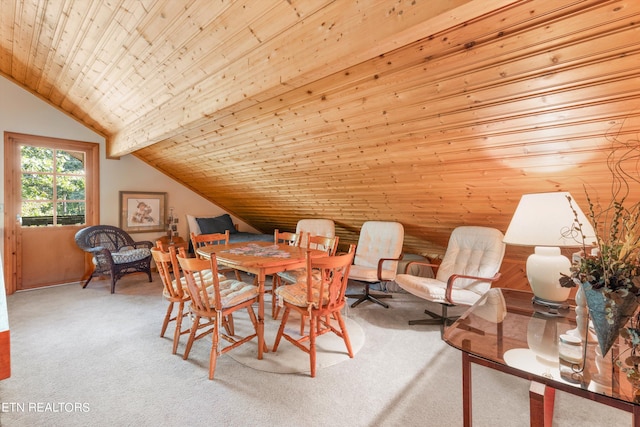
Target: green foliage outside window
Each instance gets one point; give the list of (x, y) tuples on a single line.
[(53, 186)]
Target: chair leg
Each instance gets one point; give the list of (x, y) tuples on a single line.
[(436, 319), (87, 282), (113, 284), (274, 284), (254, 322), (213, 356), (167, 318), (192, 335), (367, 296), (345, 335), (313, 329), (283, 322), (178, 331), (227, 322)]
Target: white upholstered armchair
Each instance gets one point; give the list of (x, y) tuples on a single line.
[(315, 227), (470, 265), (377, 254)]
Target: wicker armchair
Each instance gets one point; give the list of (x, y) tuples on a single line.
[(114, 252)]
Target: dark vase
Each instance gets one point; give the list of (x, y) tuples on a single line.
[(606, 332)]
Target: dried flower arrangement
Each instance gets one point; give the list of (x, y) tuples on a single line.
[(609, 274), (613, 267)]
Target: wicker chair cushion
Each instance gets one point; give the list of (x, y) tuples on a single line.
[(130, 255)]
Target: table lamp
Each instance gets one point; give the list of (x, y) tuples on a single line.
[(548, 222)]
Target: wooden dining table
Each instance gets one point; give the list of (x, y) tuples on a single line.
[(262, 259)]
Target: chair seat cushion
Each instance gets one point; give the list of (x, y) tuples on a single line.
[(298, 276), (292, 276), (234, 292), (434, 290), (130, 255), (369, 274), (206, 275), (296, 294)]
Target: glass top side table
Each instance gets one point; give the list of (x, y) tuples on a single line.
[(504, 331)]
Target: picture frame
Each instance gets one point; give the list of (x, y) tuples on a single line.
[(143, 211)]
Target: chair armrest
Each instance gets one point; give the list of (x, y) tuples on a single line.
[(101, 255), (454, 277), (100, 250), (94, 249), (382, 260)]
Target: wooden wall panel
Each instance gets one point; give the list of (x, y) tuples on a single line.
[(433, 114)]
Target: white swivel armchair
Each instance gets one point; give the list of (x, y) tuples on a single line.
[(315, 227), (377, 254), (470, 265)]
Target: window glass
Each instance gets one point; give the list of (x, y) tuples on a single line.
[(70, 188), (37, 186), (70, 162), (36, 159), (53, 186)]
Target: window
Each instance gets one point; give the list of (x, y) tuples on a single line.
[(53, 186)]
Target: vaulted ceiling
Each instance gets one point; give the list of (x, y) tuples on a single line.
[(431, 113)]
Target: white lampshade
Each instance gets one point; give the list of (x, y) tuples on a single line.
[(546, 219), (548, 222)]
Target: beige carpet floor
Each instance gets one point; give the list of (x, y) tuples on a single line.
[(84, 357), (330, 349)]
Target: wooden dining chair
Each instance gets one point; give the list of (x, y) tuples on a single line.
[(287, 238), (321, 301), (321, 243), (199, 240), (164, 243), (212, 304), (164, 246), (173, 292)]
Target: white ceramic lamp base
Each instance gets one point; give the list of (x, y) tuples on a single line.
[(543, 272)]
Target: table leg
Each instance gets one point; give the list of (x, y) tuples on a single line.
[(541, 402), (261, 344), (466, 390)]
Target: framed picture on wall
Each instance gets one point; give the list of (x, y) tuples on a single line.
[(142, 212)]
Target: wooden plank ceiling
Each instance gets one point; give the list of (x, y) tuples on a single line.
[(431, 113)]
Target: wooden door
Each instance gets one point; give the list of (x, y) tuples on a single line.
[(40, 225)]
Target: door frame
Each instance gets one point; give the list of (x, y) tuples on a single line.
[(12, 175)]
